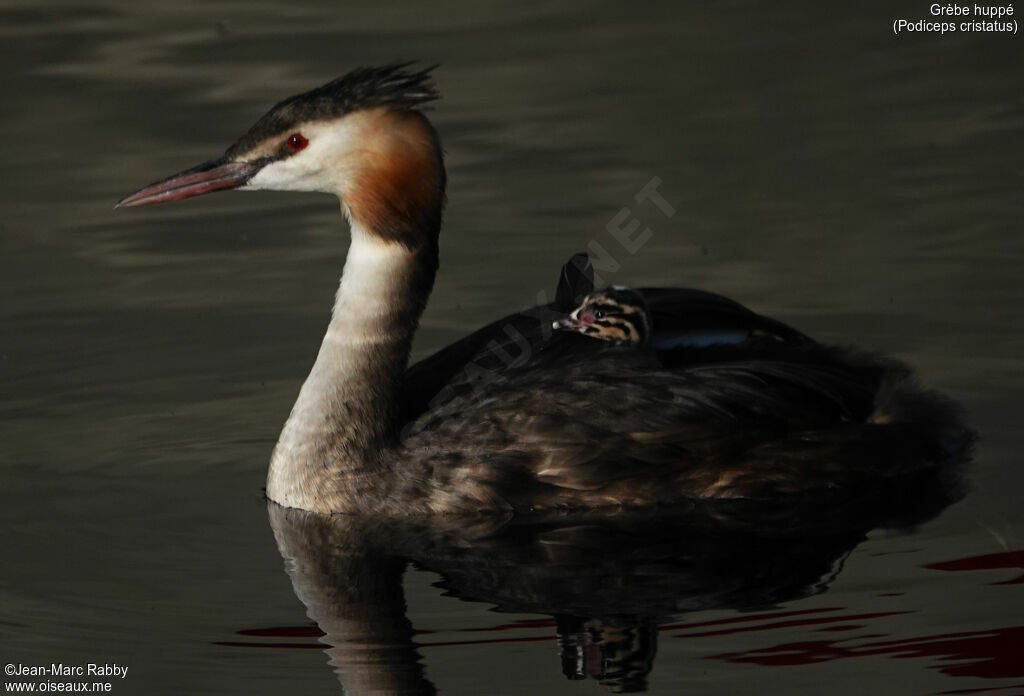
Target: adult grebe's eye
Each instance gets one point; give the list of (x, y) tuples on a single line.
[(296, 142)]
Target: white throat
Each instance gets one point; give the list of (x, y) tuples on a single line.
[(340, 420)]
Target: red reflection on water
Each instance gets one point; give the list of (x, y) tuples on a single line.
[(310, 631), (279, 646), (514, 626), (313, 631), (733, 624), (990, 654), (793, 622), (747, 618), (990, 561), (985, 690)]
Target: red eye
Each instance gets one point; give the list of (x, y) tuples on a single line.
[(296, 142)]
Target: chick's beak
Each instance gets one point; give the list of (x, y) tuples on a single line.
[(567, 323)]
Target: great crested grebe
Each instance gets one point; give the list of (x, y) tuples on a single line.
[(616, 314), (514, 417)]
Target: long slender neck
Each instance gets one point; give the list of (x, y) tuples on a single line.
[(328, 458)]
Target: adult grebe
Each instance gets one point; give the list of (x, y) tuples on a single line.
[(512, 418)]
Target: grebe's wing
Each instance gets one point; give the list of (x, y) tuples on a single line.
[(696, 318), (610, 431)]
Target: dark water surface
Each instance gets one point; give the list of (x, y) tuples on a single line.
[(865, 187)]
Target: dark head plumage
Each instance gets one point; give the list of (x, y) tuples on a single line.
[(392, 86)]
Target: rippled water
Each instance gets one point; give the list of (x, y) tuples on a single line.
[(861, 186)]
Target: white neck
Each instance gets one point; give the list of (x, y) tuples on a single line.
[(327, 457)]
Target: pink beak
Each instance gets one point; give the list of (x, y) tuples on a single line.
[(567, 324), (216, 175)]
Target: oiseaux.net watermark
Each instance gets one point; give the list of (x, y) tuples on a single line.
[(60, 677)]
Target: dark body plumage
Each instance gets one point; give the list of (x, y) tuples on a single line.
[(577, 422)]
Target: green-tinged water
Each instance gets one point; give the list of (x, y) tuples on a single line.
[(862, 186)]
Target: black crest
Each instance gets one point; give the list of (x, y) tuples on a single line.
[(393, 86)]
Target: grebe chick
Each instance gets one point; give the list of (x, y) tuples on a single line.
[(617, 314), (509, 419)]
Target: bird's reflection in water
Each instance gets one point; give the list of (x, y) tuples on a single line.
[(608, 579)]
